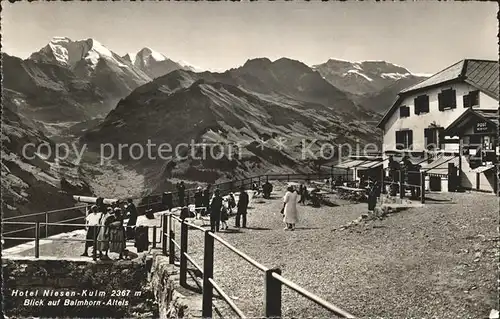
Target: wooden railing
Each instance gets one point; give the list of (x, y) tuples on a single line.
[(273, 279)]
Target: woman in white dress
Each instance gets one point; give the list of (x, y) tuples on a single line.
[(290, 210)]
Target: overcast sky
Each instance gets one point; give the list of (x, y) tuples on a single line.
[(421, 36)]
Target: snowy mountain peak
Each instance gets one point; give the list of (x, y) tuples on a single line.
[(361, 77), (66, 52), (146, 54)]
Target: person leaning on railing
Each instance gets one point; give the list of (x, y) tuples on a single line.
[(117, 234), (103, 236), (92, 222), (141, 231)]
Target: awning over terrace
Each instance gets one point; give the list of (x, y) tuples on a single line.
[(440, 165), (370, 164), (349, 163), (482, 169)]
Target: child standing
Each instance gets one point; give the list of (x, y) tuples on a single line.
[(224, 216)]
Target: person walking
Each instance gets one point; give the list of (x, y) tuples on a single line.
[(242, 207), (198, 202), (206, 198), (92, 221), (373, 193), (131, 212), (290, 212), (215, 211), (181, 192)]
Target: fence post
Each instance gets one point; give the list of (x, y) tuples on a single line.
[(401, 184), (422, 187), (46, 225), (164, 235), (154, 236), (382, 182), (184, 245), (94, 248), (272, 295), (208, 273), (37, 239), (171, 246)]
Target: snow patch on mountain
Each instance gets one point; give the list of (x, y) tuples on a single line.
[(395, 75), (357, 72)]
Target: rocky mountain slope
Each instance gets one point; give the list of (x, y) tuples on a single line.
[(272, 111), (31, 181), (382, 100)]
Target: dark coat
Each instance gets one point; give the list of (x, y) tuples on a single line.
[(243, 202), (198, 199), (216, 207)]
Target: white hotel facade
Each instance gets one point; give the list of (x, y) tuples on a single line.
[(449, 118)]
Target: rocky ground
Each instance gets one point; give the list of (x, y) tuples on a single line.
[(436, 261)]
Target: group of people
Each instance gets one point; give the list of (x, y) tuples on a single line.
[(107, 232), (219, 208), (267, 189)]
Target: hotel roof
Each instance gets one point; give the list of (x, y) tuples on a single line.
[(481, 74)]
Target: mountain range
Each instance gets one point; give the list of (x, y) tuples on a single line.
[(82, 91)]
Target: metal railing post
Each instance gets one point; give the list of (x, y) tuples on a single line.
[(184, 245), (37, 239), (272, 295), (208, 273), (401, 185), (422, 187), (154, 236), (164, 235), (171, 245)]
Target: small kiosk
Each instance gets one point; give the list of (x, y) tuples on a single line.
[(478, 148)]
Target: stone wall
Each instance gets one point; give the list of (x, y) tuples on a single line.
[(76, 288), (173, 301)]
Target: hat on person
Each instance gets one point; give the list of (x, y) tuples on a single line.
[(198, 188)]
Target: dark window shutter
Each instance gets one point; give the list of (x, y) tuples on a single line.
[(399, 141), (440, 101), (474, 98), (440, 140), (425, 104), (427, 138), (410, 139), (416, 103), (466, 101), (453, 99)]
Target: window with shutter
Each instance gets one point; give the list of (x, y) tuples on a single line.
[(404, 111), (421, 104), (447, 99), (404, 139), (466, 101), (474, 98)]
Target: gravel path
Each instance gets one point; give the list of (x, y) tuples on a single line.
[(436, 261)]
